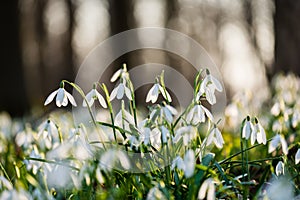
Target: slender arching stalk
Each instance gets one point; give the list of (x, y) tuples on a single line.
[(79, 90)]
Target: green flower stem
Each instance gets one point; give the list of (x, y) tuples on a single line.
[(132, 102), (111, 112), (52, 162), (5, 173), (238, 153), (79, 90)]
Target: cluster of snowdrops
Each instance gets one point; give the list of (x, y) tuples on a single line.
[(165, 154)]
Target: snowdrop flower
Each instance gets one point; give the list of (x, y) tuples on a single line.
[(258, 133), (14, 194), (295, 118), (145, 135), (31, 164), (197, 114), (297, 157), (279, 188), (110, 158), (279, 168), (4, 183), (123, 119), (58, 176), (48, 131), (247, 128), (188, 133), (155, 91), (25, 137), (92, 96), (178, 162), (275, 143), (122, 73), (168, 111), (207, 190), (165, 134), (155, 194), (216, 137), (62, 97), (208, 87), (275, 110), (187, 164), (119, 92)]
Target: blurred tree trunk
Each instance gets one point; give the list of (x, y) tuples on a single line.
[(121, 19), (13, 95), (287, 36)]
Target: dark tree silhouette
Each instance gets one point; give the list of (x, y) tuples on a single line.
[(13, 95), (287, 36)]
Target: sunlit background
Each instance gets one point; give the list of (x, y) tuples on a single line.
[(54, 36)]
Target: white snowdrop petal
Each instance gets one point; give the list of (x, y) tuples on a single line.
[(210, 138), (279, 168), (219, 137), (274, 143), (89, 99), (167, 114), (121, 90), (190, 115), (165, 93), (253, 136), (297, 157), (60, 97), (50, 97), (165, 134), (264, 138), (284, 145), (116, 75), (208, 113), (216, 83), (101, 100), (71, 98), (128, 93), (129, 117), (151, 94), (211, 191), (189, 162), (172, 110), (113, 93), (210, 97), (203, 189), (65, 100), (179, 163), (123, 160)]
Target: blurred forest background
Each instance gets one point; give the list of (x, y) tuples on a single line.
[(45, 41)]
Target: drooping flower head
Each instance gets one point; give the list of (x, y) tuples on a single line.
[(208, 87), (62, 97), (92, 96)]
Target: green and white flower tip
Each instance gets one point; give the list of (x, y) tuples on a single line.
[(207, 190), (258, 133), (155, 90), (155, 194), (119, 92), (208, 87), (62, 97), (278, 139), (279, 169), (247, 128), (215, 136), (187, 164), (92, 96), (297, 157), (197, 115), (120, 73)]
